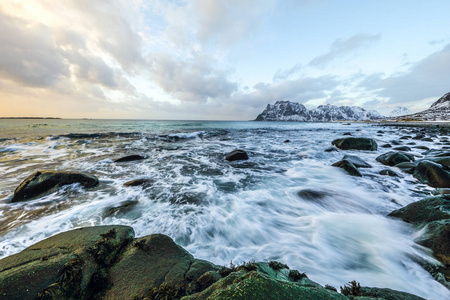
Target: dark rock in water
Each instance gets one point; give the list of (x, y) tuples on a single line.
[(444, 160), (348, 167), (129, 158), (388, 173), (427, 139), (406, 137), (411, 144), (441, 192), (407, 167), (418, 137), (237, 155), (41, 183), (424, 211), (347, 133), (312, 195), (331, 149), (393, 158), (137, 182), (286, 141), (358, 162), (432, 174), (437, 153), (386, 146), (396, 143), (66, 264), (437, 238), (353, 143), (422, 147), (121, 208), (380, 131), (402, 148)]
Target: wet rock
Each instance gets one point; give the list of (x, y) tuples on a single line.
[(63, 266), (422, 147), (121, 208), (433, 174), (427, 139), (396, 143), (406, 137), (437, 238), (388, 172), (441, 192), (137, 182), (350, 168), (386, 146), (347, 133), (387, 294), (129, 158), (287, 141), (353, 143), (393, 158), (444, 160), (331, 149), (437, 153), (402, 148), (418, 137), (358, 162), (237, 155), (424, 211), (407, 167), (41, 183), (312, 195)]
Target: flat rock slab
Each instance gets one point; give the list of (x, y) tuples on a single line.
[(41, 183)]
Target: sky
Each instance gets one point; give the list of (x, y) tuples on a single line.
[(219, 59)]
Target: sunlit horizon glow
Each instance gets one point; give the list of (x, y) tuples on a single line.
[(218, 60)]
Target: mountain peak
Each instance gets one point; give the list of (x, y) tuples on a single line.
[(443, 101), (399, 111)]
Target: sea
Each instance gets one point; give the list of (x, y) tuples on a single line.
[(286, 203)]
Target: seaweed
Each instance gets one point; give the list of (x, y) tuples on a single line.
[(352, 288)]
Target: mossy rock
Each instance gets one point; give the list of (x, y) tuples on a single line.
[(393, 158), (348, 167), (433, 174), (424, 211), (353, 143)]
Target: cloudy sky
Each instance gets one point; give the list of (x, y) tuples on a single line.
[(219, 59)]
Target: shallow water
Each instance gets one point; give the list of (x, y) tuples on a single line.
[(285, 203)]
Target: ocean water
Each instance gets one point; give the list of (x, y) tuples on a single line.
[(285, 203)]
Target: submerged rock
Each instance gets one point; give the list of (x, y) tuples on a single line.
[(122, 208), (137, 182), (237, 155), (349, 167), (358, 162), (353, 143), (433, 174), (41, 183), (129, 158)]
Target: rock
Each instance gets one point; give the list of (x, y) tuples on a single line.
[(358, 162), (41, 183), (255, 285), (433, 174), (393, 158), (353, 143), (437, 153), (407, 167), (418, 136), (402, 148), (386, 146), (387, 294), (129, 158), (331, 149), (424, 211), (66, 264), (388, 173), (445, 160), (437, 238), (427, 139), (237, 155), (287, 141), (137, 182), (347, 133), (122, 208), (350, 168), (406, 137), (153, 265), (441, 192), (422, 147)]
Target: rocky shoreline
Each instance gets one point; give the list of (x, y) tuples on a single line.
[(108, 262)]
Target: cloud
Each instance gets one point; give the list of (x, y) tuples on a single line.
[(427, 78), (284, 74), (341, 47), (192, 79)]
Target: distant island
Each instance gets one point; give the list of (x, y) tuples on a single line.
[(31, 118)]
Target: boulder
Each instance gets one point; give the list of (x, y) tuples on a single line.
[(137, 182), (402, 148), (437, 238), (41, 183), (353, 143), (393, 158), (433, 174), (358, 162), (350, 168), (407, 167), (129, 158), (387, 294), (121, 208), (237, 155), (69, 265), (424, 211), (388, 173), (386, 146)]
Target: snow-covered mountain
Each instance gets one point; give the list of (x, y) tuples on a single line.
[(292, 111), (438, 111), (399, 111)]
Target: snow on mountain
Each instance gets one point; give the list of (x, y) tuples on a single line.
[(399, 111), (292, 111), (438, 111)]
